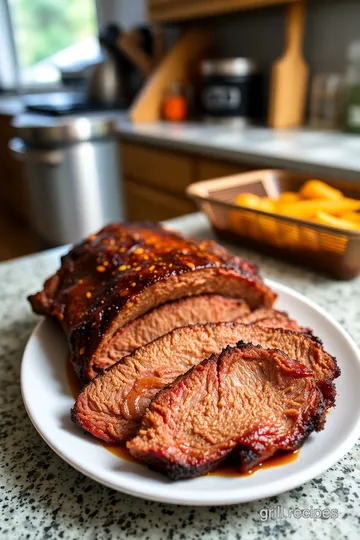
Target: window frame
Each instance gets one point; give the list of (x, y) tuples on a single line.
[(9, 68), (10, 80)]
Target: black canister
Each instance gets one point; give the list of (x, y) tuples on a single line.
[(232, 90)]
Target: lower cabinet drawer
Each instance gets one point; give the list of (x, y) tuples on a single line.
[(145, 203), (214, 168), (168, 170)]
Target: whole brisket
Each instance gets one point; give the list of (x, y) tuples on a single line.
[(125, 271)]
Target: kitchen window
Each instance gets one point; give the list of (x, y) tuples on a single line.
[(42, 36)]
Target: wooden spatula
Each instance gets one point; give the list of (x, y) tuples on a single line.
[(289, 75)]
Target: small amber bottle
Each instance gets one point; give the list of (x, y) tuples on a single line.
[(175, 107)]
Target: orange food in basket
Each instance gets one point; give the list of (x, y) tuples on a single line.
[(327, 219), (316, 201), (288, 197), (315, 189), (352, 216), (250, 200), (309, 209)]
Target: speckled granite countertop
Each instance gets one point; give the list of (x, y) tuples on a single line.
[(41, 497)]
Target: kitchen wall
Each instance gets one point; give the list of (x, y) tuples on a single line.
[(330, 27), (125, 12)]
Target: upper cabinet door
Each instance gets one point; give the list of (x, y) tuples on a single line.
[(177, 10)]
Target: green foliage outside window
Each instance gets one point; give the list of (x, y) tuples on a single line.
[(45, 27)]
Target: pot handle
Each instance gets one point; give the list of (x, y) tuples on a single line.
[(21, 153)]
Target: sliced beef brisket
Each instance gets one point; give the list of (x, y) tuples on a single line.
[(167, 317), (111, 405), (272, 318), (125, 271), (245, 398)]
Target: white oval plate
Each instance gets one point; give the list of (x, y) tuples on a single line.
[(48, 400)]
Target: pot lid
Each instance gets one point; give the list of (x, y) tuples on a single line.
[(45, 131), (229, 66)]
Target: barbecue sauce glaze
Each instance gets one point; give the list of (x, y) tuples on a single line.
[(107, 275)]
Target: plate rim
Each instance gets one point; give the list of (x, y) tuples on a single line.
[(306, 474)]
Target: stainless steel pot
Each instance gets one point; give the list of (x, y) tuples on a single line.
[(73, 177)]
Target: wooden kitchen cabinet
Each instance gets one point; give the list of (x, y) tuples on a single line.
[(155, 179), (214, 168), (176, 10), (13, 190), (146, 203), (169, 170)]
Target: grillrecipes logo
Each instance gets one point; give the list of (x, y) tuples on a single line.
[(280, 512)]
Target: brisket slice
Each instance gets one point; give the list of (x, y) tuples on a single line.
[(111, 405), (274, 319), (245, 398), (167, 317), (124, 271)]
